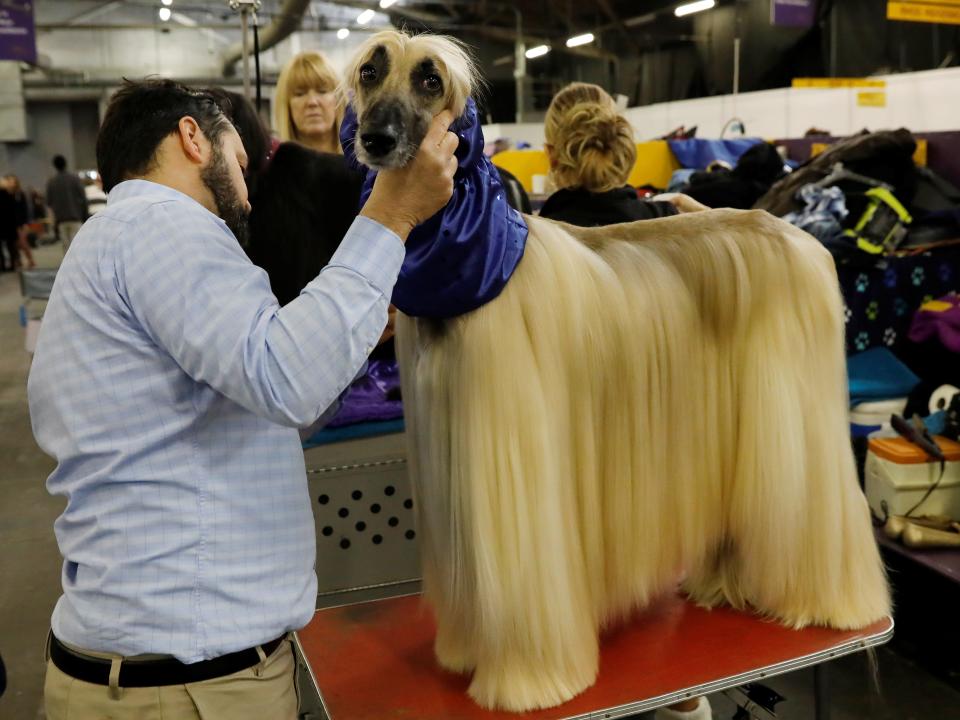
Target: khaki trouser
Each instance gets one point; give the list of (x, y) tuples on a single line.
[(67, 229), (263, 692)]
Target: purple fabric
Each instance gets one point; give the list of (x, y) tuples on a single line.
[(944, 324), (463, 256), (367, 398)]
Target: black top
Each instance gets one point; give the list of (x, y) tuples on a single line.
[(303, 205), (588, 209), (9, 215)]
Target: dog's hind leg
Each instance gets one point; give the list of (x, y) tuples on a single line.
[(802, 548)]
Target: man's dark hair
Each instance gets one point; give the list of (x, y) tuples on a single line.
[(60, 162), (140, 115)]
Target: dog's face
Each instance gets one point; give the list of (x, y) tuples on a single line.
[(397, 84)]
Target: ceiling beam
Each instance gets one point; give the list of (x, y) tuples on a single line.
[(93, 13)]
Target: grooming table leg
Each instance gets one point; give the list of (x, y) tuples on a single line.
[(821, 691)]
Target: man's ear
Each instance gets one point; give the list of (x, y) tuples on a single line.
[(193, 142)]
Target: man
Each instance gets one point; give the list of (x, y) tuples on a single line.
[(68, 200), (168, 384)]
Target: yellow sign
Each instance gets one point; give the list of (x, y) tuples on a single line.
[(919, 155), (872, 99), (838, 83), (931, 11)]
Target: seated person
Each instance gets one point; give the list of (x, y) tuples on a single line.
[(592, 152)]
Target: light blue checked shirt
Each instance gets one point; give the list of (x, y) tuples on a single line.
[(167, 384)]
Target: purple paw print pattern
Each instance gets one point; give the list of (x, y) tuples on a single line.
[(879, 301), (890, 277)]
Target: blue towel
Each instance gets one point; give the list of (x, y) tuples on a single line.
[(877, 374)]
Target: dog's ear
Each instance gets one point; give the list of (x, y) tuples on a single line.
[(459, 67)]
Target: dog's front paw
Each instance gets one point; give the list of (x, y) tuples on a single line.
[(517, 687), (454, 654)]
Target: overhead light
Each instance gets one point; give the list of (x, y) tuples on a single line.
[(576, 40), (694, 7), (343, 34), (365, 17), (386, 3), (537, 51), (164, 14), (168, 3)]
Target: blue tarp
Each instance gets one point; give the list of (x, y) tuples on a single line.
[(698, 154)]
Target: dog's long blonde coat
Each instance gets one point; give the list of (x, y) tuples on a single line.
[(641, 401)]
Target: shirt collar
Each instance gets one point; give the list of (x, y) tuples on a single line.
[(137, 188), (141, 188)]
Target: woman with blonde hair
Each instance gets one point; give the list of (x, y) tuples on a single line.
[(592, 152), (308, 105)]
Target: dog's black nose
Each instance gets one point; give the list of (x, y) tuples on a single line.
[(378, 144)]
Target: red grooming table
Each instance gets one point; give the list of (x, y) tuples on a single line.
[(374, 660)]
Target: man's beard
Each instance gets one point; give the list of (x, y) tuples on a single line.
[(216, 176)]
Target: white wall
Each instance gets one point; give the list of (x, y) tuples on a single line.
[(13, 118), (921, 101)]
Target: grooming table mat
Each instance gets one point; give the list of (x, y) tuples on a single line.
[(374, 660)]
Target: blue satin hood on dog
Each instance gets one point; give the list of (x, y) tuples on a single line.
[(463, 256)]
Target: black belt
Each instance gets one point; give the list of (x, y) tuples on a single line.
[(154, 673)]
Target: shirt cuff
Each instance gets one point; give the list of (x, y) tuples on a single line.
[(372, 251)]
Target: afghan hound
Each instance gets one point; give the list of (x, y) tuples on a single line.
[(642, 404)]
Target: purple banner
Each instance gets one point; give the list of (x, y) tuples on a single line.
[(18, 39), (793, 13)]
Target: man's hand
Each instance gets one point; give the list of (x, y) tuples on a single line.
[(683, 203), (390, 330), (402, 198)]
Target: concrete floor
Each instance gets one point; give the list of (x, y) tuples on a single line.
[(30, 578), (29, 559)]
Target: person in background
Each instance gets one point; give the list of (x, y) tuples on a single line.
[(168, 384), (592, 152), (303, 201), (24, 217), (67, 199), (308, 105), (9, 229)]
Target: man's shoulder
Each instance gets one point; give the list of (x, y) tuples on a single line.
[(147, 205)]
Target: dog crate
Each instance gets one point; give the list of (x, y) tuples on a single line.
[(363, 506)]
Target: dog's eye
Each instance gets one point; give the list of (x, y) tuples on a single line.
[(431, 83), (368, 73)]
